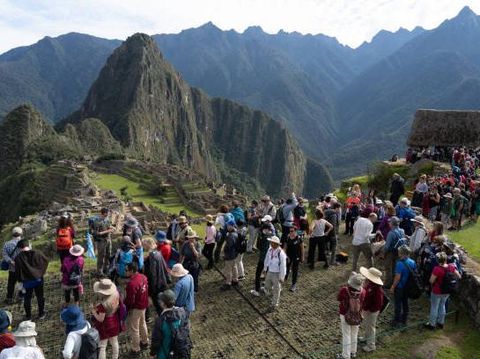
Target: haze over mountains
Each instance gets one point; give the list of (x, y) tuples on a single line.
[(346, 106)]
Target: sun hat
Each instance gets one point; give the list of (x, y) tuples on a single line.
[(148, 243), (191, 234), (448, 195), (356, 281), (394, 221), (372, 274), (168, 297), (178, 270), (274, 239), (104, 286), (209, 218), (65, 215), (267, 218), (17, 231), (378, 202), (73, 317), (77, 250), (160, 236), (417, 219), (131, 222), (26, 329), (182, 220), (5, 320)]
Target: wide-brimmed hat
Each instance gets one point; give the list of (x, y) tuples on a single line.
[(394, 221), (274, 239), (356, 281), (267, 218), (77, 250), (26, 329), (182, 220), (5, 320), (131, 222), (148, 243), (160, 236), (17, 231), (448, 195), (209, 218), (178, 270), (168, 297), (405, 200), (104, 286), (191, 234), (378, 202), (372, 274), (417, 219), (73, 317)]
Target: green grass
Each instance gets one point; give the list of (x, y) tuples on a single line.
[(342, 192), (469, 238), (139, 194)]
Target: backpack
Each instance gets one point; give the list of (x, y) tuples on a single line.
[(280, 216), (64, 238), (228, 217), (90, 342), (413, 287), (449, 283), (241, 244), (124, 258), (181, 344), (75, 275), (354, 309)]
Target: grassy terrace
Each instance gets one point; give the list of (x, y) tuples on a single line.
[(469, 238)]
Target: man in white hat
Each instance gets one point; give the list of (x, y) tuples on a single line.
[(266, 231), (9, 253), (419, 236), (275, 269), (266, 207), (184, 288)]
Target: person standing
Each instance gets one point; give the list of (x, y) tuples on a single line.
[(210, 238), (332, 215), (223, 217), (7, 340), (350, 298), (253, 221), (189, 256), (418, 237), (320, 229), (288, 218), (295, 256), (390, 250), (72, 273), (156, 271), (65, 236), (397, 188), (266, 231), (9, 253), (101, 229), (30, 267), (372, 305), (136, 301), (183, 288), (362, 235), (25, 343), (275, 269), (75, 327), (164, 246), (353, 210), (230, 254)]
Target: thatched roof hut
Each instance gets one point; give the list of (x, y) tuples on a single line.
[(445, 128)]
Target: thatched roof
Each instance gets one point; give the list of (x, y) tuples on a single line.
[(445, 128)]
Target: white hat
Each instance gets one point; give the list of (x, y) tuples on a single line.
[(448, 195), (372, 274), (17, 230), (417, 219), (178, 270), (356, 281), (105, 286), (267, 218), (378, 201), (25, 329), (274, 239), (77, 250)]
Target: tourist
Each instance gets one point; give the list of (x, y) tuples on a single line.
[(101, 229), (403, 268), (295, 255), (221, 220), (393, 241), (372, 305), (190, 256), (174, 227), (320, 229), (125, 255), (405, 213), (230, 253), (266, 231), (184, 290), (397, 188), (433, 203), (210, 239), (184, 228), (75, 327), (9, 253), (384, 225), (446, 205), (132, 228), (421, 189), (418, 237), (171, 317), (362, 236), (350, 298), (7, 340), (300, 217), (352, 211), (164, 246), (65, 236), (72, 273), (156, 271), (333, 215), (136, 301), (287, 211), (459, 203), (30, 267), (242, 243), (237, 212), (253, 220), (442, 276), (275, 269), (107, 318), (25, 343), (267, 208)]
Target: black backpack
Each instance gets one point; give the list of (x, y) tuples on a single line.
[(181, 344), (75, 276), (280, 216), (449, 283), (241, 244), (90, 343), (413, 287)]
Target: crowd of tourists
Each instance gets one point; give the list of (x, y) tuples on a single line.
[(154, 278)]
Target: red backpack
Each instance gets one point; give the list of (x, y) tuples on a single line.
[(64, 238)]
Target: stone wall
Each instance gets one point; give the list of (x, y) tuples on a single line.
[(469, 296)]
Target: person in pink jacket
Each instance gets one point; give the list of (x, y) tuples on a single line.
[(72, 272)]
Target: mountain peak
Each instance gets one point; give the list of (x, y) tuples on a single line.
[(466, 13), (254, 30)]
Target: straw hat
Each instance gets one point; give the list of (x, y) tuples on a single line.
[(266, 198), (274, 239), (178, 270), (104, 286), (372, 274), (149, 243), (191, 234), (356, 281), (182, 220), (77, 250), (448, 195), (209, 218), (26, 329)]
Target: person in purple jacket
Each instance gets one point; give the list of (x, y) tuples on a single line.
[(72, 271)]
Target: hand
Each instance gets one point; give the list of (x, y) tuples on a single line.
[(392, 290)]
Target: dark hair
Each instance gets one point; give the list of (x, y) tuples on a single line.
[(63, 222), (23, 243), (336, 205), (104, 211), (318, 214), (255, 202), (183, 213), (132, 267), (223, 209)]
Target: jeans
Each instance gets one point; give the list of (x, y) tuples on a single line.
[(390, 260), (258, 275), (401, 305), (194, 269), (349, 222), (349, 338), (208, 253), (293, 264), (137, 328), (27, 303), (438, 308), (12, 278), (332, 239), (366, 249)]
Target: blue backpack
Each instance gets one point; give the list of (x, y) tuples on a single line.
[(124, 258)]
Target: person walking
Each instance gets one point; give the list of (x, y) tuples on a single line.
[(65, 236), (295, 256), (190, 256), (210, 239), (7, 340), (25, 343), (320, 229), (362, 236), (266, 231), (275, 269), (393, 241), (350, 298), (107, 316), (101, 230), (9, 253), (75, 327), (443, 274), (156, 271), (72, 274), (136, 301), (372, 304), (30, 267), (230, 254), (184, 290)]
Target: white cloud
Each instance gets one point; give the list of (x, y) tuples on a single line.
[(350, 21)]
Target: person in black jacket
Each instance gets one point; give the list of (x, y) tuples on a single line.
[(397, 188), (155, 269), (230, 254)]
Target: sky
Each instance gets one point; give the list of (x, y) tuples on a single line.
[(23, 22)]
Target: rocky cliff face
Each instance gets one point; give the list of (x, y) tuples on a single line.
[(156, 116)]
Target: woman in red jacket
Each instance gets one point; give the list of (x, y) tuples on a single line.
[(372, 305)]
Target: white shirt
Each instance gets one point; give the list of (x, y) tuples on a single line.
[(362, 231), (276, 262), (220, 220), (417, 238), (319, 228), (73, 343), (22, 353)]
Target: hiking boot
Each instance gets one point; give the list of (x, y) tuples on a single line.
[(429, 326), (144, 346), (241, 278), (368, 348), (353, 355), (293, 288), (339, 356), (226, 287), (235, 283), (271, 309), (42, 316), (325, 266), (254, 293), (439, 326)]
